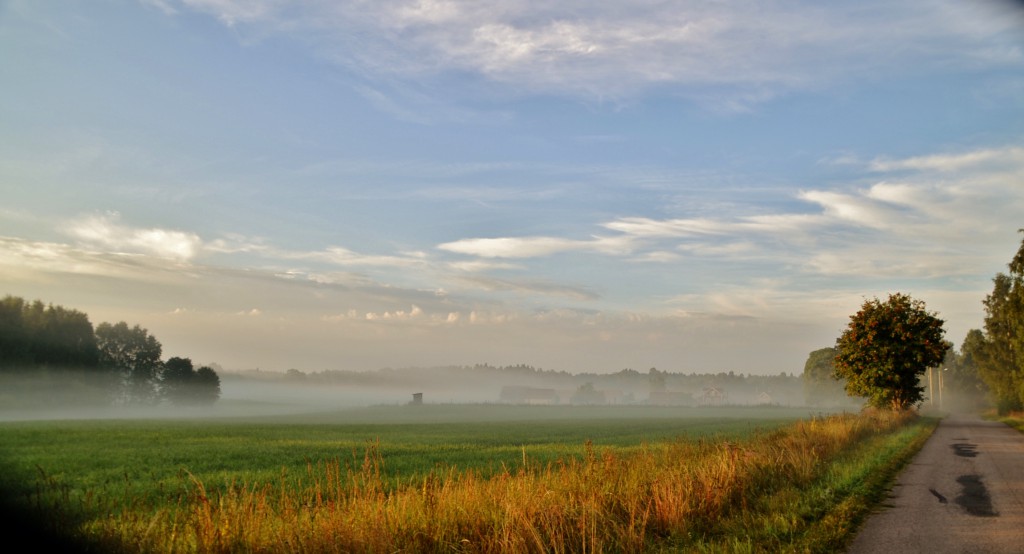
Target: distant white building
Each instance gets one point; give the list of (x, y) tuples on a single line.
[(712, 396)]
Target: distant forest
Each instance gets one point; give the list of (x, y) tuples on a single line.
[(51, 356)]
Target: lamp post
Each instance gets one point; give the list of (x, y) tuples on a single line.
[(941, 371)]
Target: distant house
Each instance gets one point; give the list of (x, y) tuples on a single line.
[(529, 395), (417, 398), (765, 398), (712, 395)]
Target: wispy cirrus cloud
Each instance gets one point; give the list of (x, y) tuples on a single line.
[(103, 246), (340, 256), (108, 234), (532, 247), (647, 227), (984, 158), (927, 222), (529, 286), (26, 259), (756, 50)]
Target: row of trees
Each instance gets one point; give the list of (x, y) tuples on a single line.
[(961, 382), (57, 349), (888, 346), (998, 350), (481, 382)]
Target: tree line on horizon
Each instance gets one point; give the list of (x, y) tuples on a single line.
[(53, 355), (634, 386)]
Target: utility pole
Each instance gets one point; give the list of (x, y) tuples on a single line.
[(941, 371), (931, 389)]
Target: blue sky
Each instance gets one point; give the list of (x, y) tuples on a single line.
[(693, 186)]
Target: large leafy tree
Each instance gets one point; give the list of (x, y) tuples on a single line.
[(1000, 355), (135, 354), (886, 348)]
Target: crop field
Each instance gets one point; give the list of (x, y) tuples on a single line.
[(386, 478), (153, 456)]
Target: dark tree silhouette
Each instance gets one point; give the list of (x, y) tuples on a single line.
[(181, 384), (135, 355)]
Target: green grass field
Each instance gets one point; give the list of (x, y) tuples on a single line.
[(153, 456), (128, 475)]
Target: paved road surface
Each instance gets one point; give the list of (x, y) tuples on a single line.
[(964, 492)]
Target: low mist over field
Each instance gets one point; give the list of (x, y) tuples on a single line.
[(513, 385), (252, 393)]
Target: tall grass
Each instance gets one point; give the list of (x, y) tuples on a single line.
[(687, 494)]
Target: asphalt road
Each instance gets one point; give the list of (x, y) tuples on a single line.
[(964, 492)]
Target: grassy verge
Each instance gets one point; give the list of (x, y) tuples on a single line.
[(1015, 420), (822, 516), (800, 488)]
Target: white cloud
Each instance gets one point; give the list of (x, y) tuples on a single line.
[(34, 260), (398, 315), (899, 193), (728, 249), (106, 232), (854, 208), (477, 266), (646, 227), (343, 257), (953, 162), (532, 247)]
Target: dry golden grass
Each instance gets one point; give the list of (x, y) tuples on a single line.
[(659, 497)]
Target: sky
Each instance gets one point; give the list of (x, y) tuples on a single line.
[(583, 186)]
